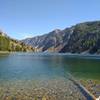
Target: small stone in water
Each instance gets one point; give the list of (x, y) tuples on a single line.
[(44, 98)]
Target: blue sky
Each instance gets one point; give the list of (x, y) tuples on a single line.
[(25, 18)]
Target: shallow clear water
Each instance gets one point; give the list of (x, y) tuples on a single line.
[(31, 76)]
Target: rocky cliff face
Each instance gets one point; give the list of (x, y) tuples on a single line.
[(52, 42), (83, 37)]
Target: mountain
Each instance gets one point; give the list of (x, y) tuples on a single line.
[(85, 38), (80, 38), (9, 44), (53, 41)]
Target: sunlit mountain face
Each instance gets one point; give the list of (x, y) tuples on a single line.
[(12, 45), (80, 38)]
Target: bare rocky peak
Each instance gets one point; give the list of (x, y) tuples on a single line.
[(57, 30)]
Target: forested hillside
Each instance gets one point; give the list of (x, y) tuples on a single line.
[(8, 44)]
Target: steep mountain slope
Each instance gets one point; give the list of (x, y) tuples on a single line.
[(83, 37), (53, 41), (8, 44)]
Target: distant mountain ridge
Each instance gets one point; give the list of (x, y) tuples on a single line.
[(80, 38), (12, 45)]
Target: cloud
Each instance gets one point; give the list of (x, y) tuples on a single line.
[(27, 36)]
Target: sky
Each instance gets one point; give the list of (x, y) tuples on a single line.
[(27, 18)]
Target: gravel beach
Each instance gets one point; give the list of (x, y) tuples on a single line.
[(54, 89)]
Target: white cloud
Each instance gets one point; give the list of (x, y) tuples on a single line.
[(27, 36)]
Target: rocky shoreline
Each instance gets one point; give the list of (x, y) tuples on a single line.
[(45, 89), (92, 85), (59, 89)]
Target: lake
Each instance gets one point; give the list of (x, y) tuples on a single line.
[(32, 75)]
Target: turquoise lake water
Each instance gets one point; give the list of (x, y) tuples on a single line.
[(31, 66), (31, 76)]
